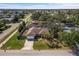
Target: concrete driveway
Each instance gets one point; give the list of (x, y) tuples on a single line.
[(28, 45)]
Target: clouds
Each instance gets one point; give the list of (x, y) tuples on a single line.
[(39, 6)]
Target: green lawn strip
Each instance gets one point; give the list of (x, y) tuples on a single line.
[(40, 44), (8, 35), (13, 43)]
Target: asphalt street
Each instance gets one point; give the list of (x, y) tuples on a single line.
[(36, 53), (6, 32)]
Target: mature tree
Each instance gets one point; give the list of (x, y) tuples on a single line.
[(16, 19), (77, 19), (46, 35), (70, 19), (44, 16), (36, 15), (54, 26), (5, 11), (70, 39), (23, 23), (2, 23), (22, 26), (22, 15)]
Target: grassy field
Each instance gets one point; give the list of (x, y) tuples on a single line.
[(40, 45), (13, 43)]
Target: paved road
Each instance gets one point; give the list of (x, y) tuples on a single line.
[(6, 32), (36, 53), (7, 39)]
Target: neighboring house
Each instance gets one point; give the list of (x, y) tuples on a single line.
[(35, 31), (1, 15), (68, 29), (7, 18)]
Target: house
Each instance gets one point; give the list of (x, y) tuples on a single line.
[(34, 32), (7, 18), (69, 26), (37, 23)]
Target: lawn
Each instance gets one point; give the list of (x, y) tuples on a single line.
[(13, 43), (40, 44)]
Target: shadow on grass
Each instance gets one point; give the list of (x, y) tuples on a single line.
[(75, 52), (21, 37)]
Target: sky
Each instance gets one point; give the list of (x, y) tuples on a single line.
[(39, 5)]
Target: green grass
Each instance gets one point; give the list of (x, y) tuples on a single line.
[(40, 45), (13, 43)]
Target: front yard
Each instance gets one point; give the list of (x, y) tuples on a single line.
[(14, 43), (44, 44), (40, 44)]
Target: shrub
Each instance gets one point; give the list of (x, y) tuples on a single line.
[(46, 35)]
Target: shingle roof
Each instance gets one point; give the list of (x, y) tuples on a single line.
[(36, 30)]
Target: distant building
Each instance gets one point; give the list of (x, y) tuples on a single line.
[(8, 17)]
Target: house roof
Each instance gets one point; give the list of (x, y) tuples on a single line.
[(36, 30)]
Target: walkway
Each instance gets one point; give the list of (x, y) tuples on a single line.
[(28, 45)]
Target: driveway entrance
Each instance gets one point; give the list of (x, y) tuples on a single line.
[(28, 45)]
